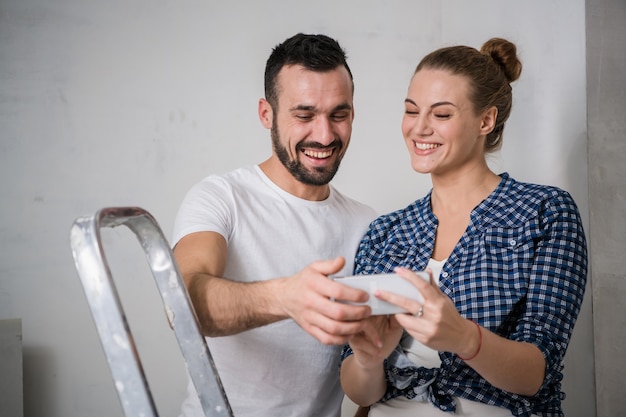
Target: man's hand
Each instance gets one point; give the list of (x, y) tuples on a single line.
[(308, 298)]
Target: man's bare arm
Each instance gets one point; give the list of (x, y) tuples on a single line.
[(223, 306), (226, 307)]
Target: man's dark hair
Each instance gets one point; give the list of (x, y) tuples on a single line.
[(314, 52)]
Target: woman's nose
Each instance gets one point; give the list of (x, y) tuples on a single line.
[(421, 126)]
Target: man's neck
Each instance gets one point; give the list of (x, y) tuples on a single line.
[(280, 176)]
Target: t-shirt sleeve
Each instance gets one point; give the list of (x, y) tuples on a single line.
[(207, 207)]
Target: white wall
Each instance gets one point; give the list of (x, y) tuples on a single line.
[(130, 102)]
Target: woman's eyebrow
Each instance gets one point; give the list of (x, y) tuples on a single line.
[(443, 103), (437, 104)]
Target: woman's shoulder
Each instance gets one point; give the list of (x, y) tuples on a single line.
[(517, 201), (536, 194)]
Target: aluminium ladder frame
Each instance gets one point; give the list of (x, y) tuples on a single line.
[(108, 314)]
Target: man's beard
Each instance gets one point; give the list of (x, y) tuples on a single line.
[(319, 175)]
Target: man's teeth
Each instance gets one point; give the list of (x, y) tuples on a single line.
[(426, 146), (318, 154)]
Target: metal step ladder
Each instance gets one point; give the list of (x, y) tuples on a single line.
[(110, 320)]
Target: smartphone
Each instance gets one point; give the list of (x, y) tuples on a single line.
[(388, 282)]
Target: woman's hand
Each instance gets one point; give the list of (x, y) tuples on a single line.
[(369, 354), (436, 323), (363, 374)]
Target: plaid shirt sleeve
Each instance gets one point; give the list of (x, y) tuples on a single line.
[(556, 285)]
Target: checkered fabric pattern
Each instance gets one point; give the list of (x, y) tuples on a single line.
[(519, 270)]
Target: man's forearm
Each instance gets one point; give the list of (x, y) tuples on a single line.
[(225, 307)]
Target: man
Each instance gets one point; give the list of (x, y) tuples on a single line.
[(242, 238)]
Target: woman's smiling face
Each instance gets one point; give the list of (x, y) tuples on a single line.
[(441, 129)]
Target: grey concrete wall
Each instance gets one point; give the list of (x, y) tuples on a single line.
[(606, 110), (11, 369)]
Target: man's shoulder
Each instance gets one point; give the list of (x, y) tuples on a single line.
[(235, 174), (234, 178)]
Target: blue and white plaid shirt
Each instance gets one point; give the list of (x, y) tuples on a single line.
[(519, 270)]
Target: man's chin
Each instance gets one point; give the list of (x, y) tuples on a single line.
[(316, 177)]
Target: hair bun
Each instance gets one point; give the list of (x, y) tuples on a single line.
[(504, 53)]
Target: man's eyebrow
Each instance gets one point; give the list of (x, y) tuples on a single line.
[(344, 106), (304, 107)]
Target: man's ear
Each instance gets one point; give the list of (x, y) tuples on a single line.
[(488, 121), (266, 113)]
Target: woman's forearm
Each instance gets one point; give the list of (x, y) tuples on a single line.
[(363, 386), (517, 367)]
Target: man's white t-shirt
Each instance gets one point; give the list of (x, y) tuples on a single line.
[(278, 369)]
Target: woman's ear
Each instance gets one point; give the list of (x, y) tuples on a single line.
[(266, 113), (488, 121)]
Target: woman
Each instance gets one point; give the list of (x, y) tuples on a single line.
[(508, 260)]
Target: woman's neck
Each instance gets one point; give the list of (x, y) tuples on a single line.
[(460, 194)]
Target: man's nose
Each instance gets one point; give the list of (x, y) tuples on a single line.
[(324, 131)]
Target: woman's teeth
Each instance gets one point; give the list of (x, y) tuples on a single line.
[(426, 146)]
